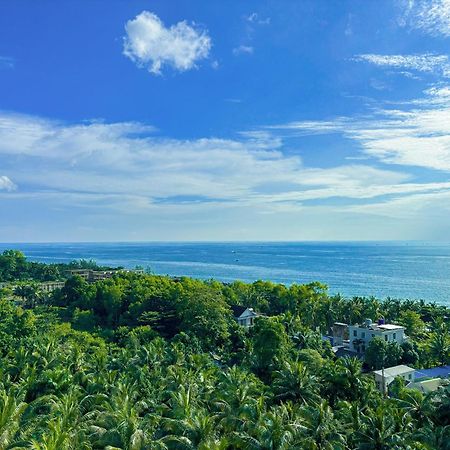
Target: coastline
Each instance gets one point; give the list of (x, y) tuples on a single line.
[(406, 270)]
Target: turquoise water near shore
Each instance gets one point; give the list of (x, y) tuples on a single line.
[(417, 270)]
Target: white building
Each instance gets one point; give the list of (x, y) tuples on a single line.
[(51, 286), (383, 378), (427, 386), (361, 335), (244, 316)]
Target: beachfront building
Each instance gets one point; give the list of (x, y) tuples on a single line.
[(97, 275), (384, 377), (50, 286), (44, 286), (361, 335), (244, 316)]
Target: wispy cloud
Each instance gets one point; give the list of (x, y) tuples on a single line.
[(415, 134), (243, 50), (423, 63), (419, 206), (126, 160), (7, 62), (149, 43), (6, 184), (430, 16), (255, 18)]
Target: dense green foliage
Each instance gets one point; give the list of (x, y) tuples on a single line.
[(15, 267), (149, 362)]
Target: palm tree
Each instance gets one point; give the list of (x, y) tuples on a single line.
[(199, 431), (434, 437), (379, 430), (321, 429), (29, 294), (57, 438), (121, 424), (277, 429), (238, 398), (357, 386), (350, 415), (417, 405), (12, 408), (440, 342), (294, 382)]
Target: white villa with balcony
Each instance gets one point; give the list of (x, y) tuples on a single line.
[(361, 335)]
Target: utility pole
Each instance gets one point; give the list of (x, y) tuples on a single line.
[(383, 381)]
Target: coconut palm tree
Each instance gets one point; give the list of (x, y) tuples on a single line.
[(378, 430), (121, 423), (434, 437), (12, 408), (276, 429), (294, 382), (321, 428), (440, 342)]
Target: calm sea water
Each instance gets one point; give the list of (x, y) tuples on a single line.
[(400, 269)]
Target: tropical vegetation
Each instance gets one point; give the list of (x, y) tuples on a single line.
[(140, 362)]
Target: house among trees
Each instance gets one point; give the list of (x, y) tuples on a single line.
[(430, 380), (98, 275), (244, 316), (50, 286), (351, 339), (384, 377), (361, 335), (431, 385)]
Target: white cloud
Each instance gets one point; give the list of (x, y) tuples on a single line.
[(6, 184), (417, 135), (423, 63), (430, 16), (99, 172), (256, 19), (152, 45), (126, 160), (429, 205), (242, 50)]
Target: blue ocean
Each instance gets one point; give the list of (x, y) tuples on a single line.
[(415, 270)]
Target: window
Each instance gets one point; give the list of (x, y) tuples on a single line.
[(409, 376), (363, 334), (394, 336), (355, 333), (386, 337)]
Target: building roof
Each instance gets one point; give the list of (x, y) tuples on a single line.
[(238, 310), (394, 371), (435, 372), (341, 350), (389, 326), (427, 385), (376, 327)]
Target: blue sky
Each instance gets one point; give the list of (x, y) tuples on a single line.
[(213, 120)]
